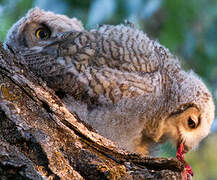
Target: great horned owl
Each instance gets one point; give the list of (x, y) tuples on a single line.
[(125, 85)]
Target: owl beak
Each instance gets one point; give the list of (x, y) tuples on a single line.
[(186, 149)]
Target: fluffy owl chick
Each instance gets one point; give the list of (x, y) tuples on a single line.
[(37, 25), (125, 85)]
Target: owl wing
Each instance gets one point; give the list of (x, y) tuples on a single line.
[(112, 62), (94, 83), (113, 85)]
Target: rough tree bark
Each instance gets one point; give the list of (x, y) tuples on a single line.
[(41, 139)]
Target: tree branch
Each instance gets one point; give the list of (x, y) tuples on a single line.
[(41, 139)]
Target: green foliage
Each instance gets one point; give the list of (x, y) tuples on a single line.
[(204, 160), (11, 11), (187, 28)]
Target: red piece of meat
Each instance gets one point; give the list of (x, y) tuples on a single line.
[(180, 156)]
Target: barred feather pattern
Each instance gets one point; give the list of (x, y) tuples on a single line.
[(115, 61)]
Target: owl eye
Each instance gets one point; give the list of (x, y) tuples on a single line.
[(42, 33), (191, 123)]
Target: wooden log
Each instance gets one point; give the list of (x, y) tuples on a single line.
[(41, 139)]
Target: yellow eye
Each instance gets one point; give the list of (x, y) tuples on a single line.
[(42, 33)]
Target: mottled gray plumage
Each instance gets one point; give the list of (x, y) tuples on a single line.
[(125, 85)]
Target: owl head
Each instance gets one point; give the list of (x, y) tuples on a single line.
[(39, 25), (191, 110)]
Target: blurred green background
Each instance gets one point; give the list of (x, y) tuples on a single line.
[(187, 28)]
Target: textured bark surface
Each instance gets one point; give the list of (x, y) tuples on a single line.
[(41, 139)]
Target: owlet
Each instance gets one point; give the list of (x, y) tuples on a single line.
[(128, 87)]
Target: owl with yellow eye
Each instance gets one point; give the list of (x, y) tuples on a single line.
[(39, 25)]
